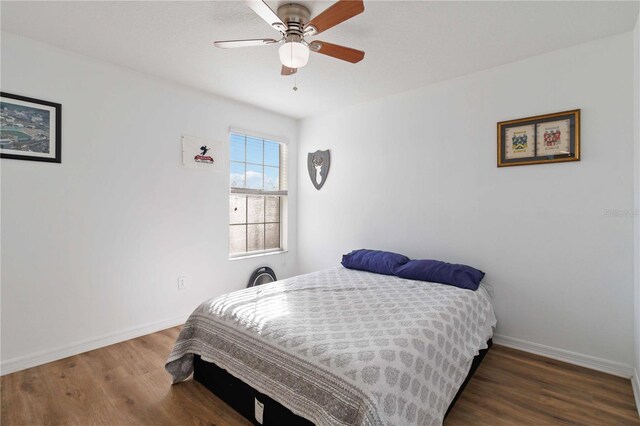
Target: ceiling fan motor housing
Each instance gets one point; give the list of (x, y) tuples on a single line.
[(295, 16)]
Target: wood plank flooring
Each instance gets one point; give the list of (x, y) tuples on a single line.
[(512, 387), (125, 384)]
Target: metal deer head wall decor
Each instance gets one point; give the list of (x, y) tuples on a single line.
[(318, 164)]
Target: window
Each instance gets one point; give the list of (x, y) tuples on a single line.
[(258, 194)]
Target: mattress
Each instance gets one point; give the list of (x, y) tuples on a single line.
[(344, 347)]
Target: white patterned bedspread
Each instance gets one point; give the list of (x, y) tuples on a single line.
[(344, 347)]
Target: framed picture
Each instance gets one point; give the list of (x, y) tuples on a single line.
[(30, 129), (549, 138)]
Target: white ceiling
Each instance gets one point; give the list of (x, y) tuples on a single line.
[(408, 44)]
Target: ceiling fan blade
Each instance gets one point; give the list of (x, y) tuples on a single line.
[(267, 14), (339, 12), (229, 44), (288, 71), (335, 50)]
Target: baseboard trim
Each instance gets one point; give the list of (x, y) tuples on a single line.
[(599, 364), (20, 363), (635, 383)]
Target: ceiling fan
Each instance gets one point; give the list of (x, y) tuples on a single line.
[(292, 20)]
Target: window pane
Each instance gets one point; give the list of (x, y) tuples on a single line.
[(237, 239), (271, 178), (254, 220), (237, 147), (237, 175), (272, 236), (237, 209), (255, 235), (254, 177), (254, 150), (272, 209), (272, 153), (255, 209)]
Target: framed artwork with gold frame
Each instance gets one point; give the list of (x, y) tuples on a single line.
[(549, 138)]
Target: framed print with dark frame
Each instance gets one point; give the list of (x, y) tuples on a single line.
[(549, 138), (30, 129)]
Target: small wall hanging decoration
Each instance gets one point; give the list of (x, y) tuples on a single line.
[(549, 138), (318, 165), (30, 129), (200, 153)]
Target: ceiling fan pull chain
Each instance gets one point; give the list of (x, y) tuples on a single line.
[(295, 76)]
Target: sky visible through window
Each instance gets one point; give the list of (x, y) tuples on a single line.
[(255, 163)]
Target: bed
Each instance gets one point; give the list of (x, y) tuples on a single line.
[(337, 347)]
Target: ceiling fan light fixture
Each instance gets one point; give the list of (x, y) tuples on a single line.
[(294, 54)]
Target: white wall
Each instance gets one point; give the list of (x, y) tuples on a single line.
[(416, 173), (92, 248)]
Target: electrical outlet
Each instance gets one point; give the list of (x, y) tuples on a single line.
[(182, 283)]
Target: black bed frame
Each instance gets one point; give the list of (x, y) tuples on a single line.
[(241, 397)]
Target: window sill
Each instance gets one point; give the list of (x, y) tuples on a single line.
[(251, 256)]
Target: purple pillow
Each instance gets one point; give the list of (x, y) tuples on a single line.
[(435, 271), (380, 262)]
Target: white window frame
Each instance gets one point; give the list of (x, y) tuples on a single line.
[(282, 193)]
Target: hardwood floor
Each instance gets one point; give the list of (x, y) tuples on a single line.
[(514, 387), (125, 384)]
